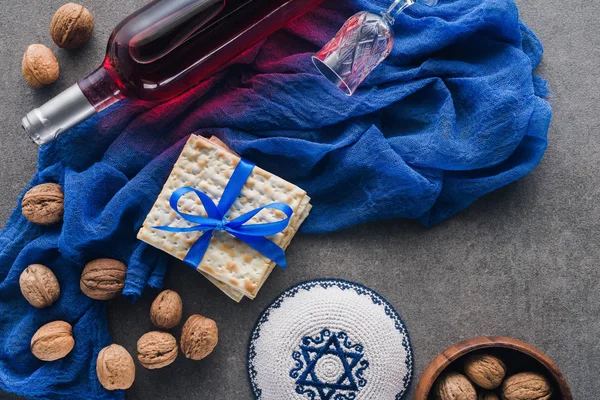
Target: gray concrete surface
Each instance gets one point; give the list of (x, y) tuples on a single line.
[(522, 262)]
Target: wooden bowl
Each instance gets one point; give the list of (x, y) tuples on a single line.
[(518, 357)]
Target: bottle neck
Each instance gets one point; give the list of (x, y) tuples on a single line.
[(90, 95), (101, 88), (47, 122)]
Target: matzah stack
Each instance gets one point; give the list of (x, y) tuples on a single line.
[(232, 265)]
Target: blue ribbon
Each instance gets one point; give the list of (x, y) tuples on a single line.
[(253, 234)]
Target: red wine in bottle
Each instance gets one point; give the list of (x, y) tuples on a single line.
[(160, 51)]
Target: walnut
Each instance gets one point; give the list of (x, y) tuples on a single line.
[(40, 66), (71, 26), (39, 286), (157, 350), (103, 279), (52, 341), (199, 337), (487, 396), (485, 370), (115, 368), (526, 386), (454, 386), (166, 310), (43, 204)]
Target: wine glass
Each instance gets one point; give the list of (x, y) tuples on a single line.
[(364, 41)]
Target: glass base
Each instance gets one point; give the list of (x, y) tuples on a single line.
[(331, 75)]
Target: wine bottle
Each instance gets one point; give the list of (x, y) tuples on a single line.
[(159, 52)]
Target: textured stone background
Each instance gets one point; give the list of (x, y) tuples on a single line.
[(522, 262)]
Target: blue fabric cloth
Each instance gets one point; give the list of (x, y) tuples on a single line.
[(454, 113)]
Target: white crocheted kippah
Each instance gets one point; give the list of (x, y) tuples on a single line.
[(330, 339)]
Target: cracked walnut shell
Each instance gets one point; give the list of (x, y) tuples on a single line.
[(43, 204), (53, 341), (39, 286), (71, 26), (454, 386), (39, 66), (115, 368), (157, 350), (166, 310), (526, 386), (484, 370), (103, 279), (199, 337)]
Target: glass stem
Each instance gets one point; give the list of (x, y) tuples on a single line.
[(390, 14)]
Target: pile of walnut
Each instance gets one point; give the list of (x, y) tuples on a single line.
[(104, 279), (484, 379), (71, 27), (157, 349)]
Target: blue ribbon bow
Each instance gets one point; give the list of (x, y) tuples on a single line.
[(253, 234)]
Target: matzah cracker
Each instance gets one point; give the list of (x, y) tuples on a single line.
[(236, 295), (295, 222), (208, 167), (221, 144), (285, 246)]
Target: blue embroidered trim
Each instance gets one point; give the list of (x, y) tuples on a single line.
[(344, 285), (359, 372), (300, 390), (294, 373)]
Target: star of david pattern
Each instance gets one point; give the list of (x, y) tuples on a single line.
[(335, 347)]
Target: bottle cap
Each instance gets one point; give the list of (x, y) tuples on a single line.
[(64, 111)]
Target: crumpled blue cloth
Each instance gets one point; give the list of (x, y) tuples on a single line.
[(454, 113)]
